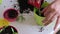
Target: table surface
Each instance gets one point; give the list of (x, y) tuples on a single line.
[(29, 26)]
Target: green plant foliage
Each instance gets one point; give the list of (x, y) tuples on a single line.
[(0, 1), (44, 4)]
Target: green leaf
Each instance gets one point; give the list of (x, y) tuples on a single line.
[(0, 1), (44, 4), (15, 33)]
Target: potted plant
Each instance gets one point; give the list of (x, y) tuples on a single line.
[(38, 15), (8, 30)]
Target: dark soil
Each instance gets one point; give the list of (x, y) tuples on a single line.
[(37, 12), (12, 13)]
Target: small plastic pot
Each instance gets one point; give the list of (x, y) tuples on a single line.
[(38, 18), (10, 14)]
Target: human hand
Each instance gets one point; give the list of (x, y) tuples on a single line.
[(51, 12)]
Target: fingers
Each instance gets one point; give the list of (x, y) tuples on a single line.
[(44, 10), (49, 19), (48, 9), (57, 25), (56, 31), (57, 22), (49, 13)]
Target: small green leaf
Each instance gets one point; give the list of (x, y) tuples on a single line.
[(0, 1), (44, 4), (20, 18), (15, 33)]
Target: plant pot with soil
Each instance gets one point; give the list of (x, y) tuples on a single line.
[(8, 30), (38, 15), (11, 14)]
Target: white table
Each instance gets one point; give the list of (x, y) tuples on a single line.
[(29, 26)]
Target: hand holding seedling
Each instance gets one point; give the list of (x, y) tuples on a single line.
[(51, 12)]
